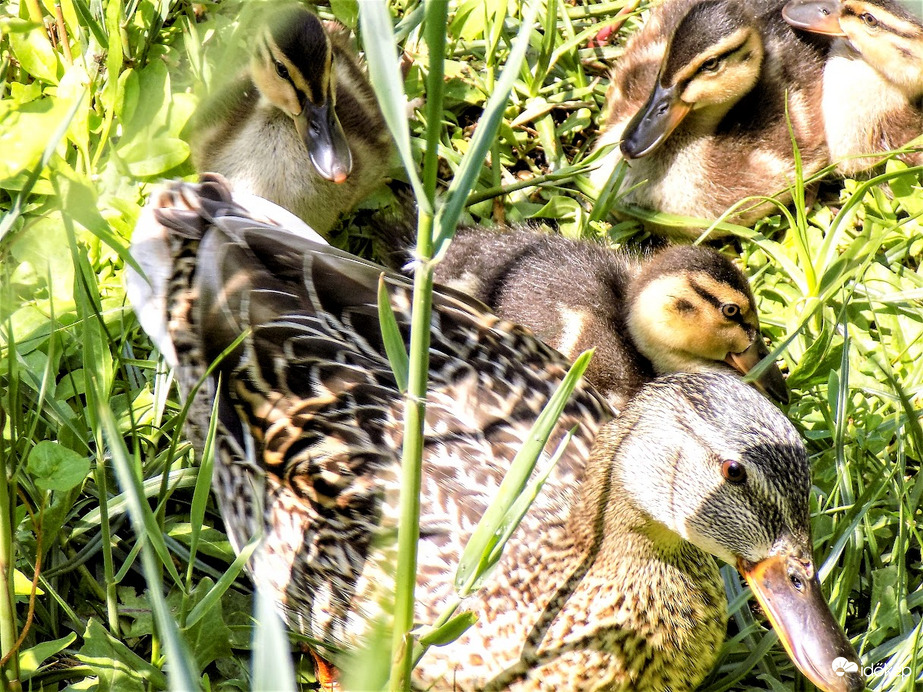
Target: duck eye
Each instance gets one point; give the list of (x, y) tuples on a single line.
[(730, 310), (281, 70), (733, 472), (869, 19), (710, 65)]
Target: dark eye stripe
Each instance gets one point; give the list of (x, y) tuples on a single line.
[(717, 304)]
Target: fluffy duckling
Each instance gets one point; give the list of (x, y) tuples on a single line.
[(609, 581), (302, 127), (873, 77), (685, 309), (698, 104)]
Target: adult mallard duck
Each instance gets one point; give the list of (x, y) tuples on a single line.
[(683, 309), (873, 77), (608, 581), (698, 104), (302, 126)]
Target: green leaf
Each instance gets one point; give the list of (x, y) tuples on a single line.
[(147, 158), (24, 132), (34, 52), (391, 335), (55, 467), (22, 585), (210, 637), (32, 658), (117, 667), (450, 631), (346, 12)]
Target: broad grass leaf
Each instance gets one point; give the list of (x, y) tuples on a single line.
[(55, 467), (272, 664)]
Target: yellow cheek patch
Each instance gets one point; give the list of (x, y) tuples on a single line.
[(682, 312)]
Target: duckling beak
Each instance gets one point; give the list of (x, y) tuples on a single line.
[(789, 592), (323, 135), (771, 383), (818, 16), (654, 122)]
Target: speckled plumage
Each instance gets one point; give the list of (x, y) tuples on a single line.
[(602, 585), (249, 138), (723, 152)]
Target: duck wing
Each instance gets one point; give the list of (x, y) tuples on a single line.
[(310, 417)]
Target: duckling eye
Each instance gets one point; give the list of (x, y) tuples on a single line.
[(710, 65), (869, 19), (733, 472), (730, 310), (281, 70)]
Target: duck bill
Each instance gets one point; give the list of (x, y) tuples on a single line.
[(326, 142), (817, 16), (771, 383), (654, 123), (789, 592)]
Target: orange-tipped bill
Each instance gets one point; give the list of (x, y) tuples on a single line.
[(817, 16), (771, 382), (654, 122), (323, 135), (789, 592)]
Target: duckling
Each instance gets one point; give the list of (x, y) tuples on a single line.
[(609, 580), (873, 77), (302, 126), (698, 104), (686, 308)]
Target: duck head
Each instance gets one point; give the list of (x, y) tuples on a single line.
[(713, 59), (692, 310), (293, 69), (726, 471), (883, 32)]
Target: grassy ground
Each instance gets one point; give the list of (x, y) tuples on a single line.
[(96, 114)]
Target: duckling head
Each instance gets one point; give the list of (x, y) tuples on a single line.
[(885, 34), (692, 310), (292, 67), (726, 471), (714, 58)]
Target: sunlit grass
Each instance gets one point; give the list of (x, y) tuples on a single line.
[(84, 138)]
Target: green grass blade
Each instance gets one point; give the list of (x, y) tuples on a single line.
[(479, 551), (272, 663), (182, 674), (448, 215), (384, 74), (391, 335)]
